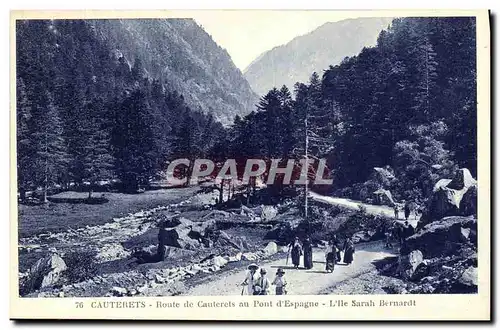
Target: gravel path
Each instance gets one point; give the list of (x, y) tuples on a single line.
[(301, 281)]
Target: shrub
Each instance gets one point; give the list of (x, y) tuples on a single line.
[(81, 266)]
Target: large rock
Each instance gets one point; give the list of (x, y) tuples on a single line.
[(468, 204), (270, 249), (269, 212), (383, 197), (469, 277), (117, 291), (177, 253), (235, 258), (441, 237), (179, 237), (453, 197), (408, 263), (219, 261), (190, 235), (113, 251), (249, 256), (45, 272)]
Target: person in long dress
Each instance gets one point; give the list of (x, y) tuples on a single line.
[(336, 242), (308, 255), (296, 252), (251, 278), (331, 256), (348, 251)]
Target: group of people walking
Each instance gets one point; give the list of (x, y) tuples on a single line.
[(257, 282), (332, 254), (408, 208)]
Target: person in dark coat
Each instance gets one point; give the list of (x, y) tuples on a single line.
[(348, 251), (336, 242), (162, 233), (331, 256), (296, 252), (308, 255), (407, 210)]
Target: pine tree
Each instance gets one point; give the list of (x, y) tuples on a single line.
[(97, 158), (50, 157), (135, 151), (24, 142)]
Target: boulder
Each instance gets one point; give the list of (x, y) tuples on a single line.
[(453, 197), (271, 248), (441, 237), (465, 232), (383, 197), (421, 271), (118, 291), (268, 212), (110, 252), (179, 237), (45, 272), (469, 277), (146, 254), (241, 243), (225, 240), (249, 256), (177, 253), (462, 179), (159, 278), (468, 204), (219, 261), (235, 258), (408, 263)]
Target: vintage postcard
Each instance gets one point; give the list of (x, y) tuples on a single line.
[(250, 165)]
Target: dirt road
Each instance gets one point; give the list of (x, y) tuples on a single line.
[(372, 209), (301, 281)]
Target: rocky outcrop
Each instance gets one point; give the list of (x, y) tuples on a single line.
[(45, 272), (409, 263), (383, 197), (442, 237), (188, 234), (453, 197), (271, 248), (441, 257)]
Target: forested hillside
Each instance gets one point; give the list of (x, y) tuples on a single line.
[(185, 58), (408, 103), (86, 112), (315, 51)]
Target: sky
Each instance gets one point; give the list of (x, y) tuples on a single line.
[(247, 34)]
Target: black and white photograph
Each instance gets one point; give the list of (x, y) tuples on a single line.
[(236, 153)]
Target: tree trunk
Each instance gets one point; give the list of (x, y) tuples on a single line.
[(45, 200), (221, 191), (22, 194), (248, 194)]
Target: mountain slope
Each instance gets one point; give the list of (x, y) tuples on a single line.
[(315, 51), (186, 59)]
